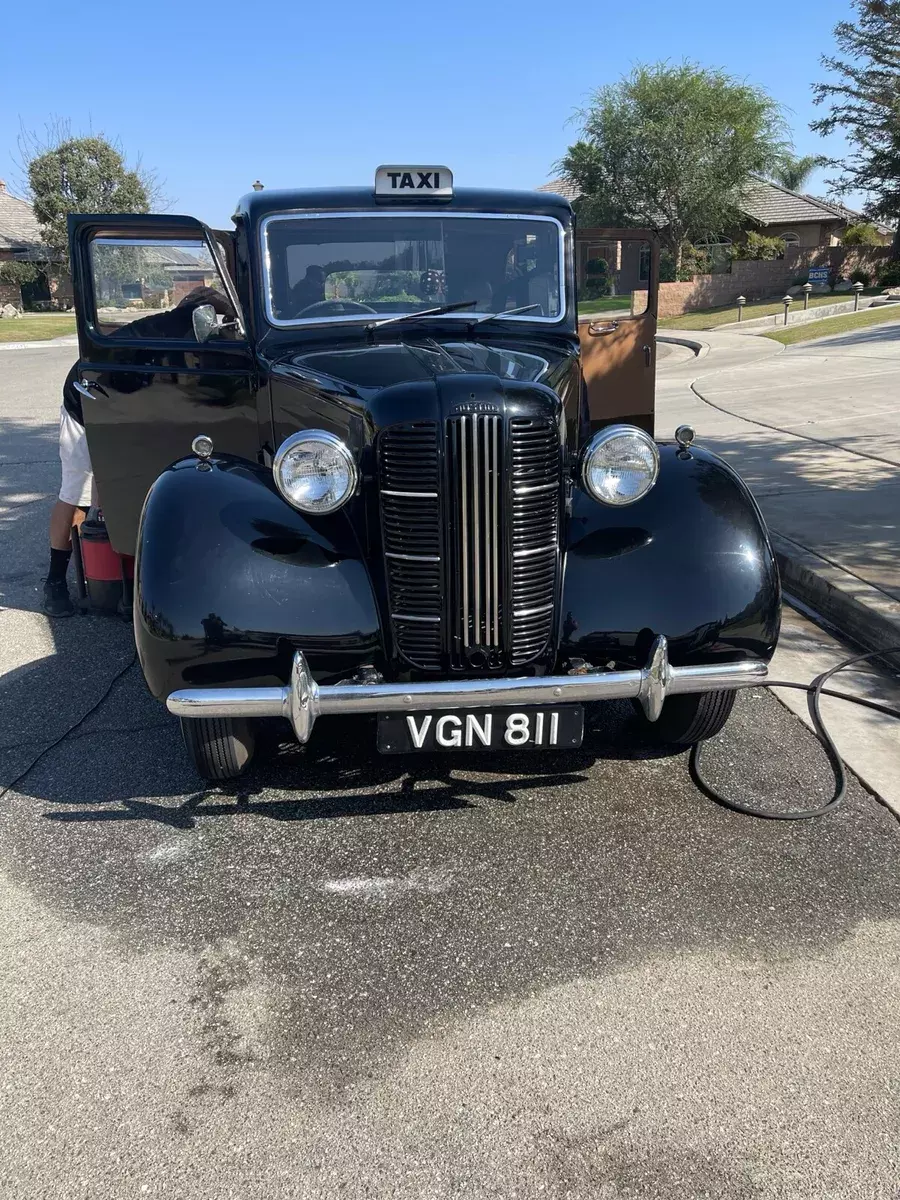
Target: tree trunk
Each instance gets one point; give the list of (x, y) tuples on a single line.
[(895, 245)]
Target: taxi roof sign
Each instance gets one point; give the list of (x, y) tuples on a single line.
[(420, 183)]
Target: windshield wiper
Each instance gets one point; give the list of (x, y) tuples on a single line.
[(509, 312), (426, 312)]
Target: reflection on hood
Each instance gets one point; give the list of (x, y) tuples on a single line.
[(371, 368)]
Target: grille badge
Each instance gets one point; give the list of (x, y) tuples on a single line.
[(464, 407)]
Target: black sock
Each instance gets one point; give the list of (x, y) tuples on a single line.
[(59, 564)]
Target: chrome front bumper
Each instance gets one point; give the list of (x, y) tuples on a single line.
[(303, 699)]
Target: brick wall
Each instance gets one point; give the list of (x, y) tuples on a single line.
[(759, 280)]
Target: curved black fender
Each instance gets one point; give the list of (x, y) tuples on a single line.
[(230, 579), (691, 560)]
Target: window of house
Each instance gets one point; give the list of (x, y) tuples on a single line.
[(790, 239)]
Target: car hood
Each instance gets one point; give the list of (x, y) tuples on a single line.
[(364, 371)]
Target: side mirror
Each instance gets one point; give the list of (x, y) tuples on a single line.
[(203, 319)]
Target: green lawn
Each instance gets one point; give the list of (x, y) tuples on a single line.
[(604, 304), (712, 318), (845, 323), (35, 327)]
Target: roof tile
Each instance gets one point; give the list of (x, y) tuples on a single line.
[(18, 226)]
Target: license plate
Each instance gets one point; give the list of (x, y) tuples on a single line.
[(529, 728)]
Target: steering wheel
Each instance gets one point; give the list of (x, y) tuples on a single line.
[(334, 308)]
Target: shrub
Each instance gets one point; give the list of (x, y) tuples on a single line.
[(889, 275), (597, 281), (860, 276), (862, 234), (760, 248), (16, 271), (667, 272)]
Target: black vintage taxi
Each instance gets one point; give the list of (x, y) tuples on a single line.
[(390, 472)]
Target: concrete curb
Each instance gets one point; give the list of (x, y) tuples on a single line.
[(853, 607), (799, 316), (67, 339), (700, 349)]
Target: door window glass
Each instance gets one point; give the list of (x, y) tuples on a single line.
[(149, 288), (613, 277)]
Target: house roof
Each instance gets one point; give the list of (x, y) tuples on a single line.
[(771, 204), (851, 216), (765, 202), (561, 187), (18, 226)]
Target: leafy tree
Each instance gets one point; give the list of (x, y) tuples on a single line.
[(67, 174), (863, 99), (793, 172), (862, 234), (671, 147)]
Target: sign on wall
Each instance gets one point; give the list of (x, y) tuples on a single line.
[(819, 274)]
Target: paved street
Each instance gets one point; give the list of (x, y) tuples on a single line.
[(828, 474), (567, 977)]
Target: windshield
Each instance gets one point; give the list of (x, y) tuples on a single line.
[(347, 267)]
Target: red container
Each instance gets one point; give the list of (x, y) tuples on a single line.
[(106, 575)]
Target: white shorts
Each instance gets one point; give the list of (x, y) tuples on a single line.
[(77, 478)]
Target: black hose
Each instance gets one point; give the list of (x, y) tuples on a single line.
[(815, 691)]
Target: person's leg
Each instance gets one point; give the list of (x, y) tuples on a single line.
[(62, 519), (74, 496)]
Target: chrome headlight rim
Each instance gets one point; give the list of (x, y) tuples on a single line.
[(600, 439), (321, 436)]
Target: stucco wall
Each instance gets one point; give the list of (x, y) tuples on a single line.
[(813, 234)]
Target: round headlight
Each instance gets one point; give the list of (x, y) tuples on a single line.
[(315, 471), (620, 465)]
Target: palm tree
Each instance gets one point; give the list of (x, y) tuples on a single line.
[(793, 172)]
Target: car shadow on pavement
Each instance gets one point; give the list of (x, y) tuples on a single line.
[(127, 760), (367, 900)]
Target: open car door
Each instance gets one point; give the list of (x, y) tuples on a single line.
[(151, 376), (617, 267)]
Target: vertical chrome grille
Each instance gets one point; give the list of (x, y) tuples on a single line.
[(471, 544), (474, 446), (534, 535), (409, 478)]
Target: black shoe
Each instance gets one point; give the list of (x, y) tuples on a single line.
[(57, 601)]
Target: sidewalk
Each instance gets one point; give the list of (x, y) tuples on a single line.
[(815, 432)]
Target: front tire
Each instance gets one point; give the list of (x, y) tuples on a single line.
[(691, 718), (220, 747)]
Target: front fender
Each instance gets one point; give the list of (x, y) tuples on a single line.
[(230, 580), (691, 560)]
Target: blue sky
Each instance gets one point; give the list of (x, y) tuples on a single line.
[(214, 96)]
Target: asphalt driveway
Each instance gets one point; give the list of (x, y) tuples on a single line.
[(362, 976)]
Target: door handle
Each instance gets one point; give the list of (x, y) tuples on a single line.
[(87, 386), (648, 356), (600, 330)]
